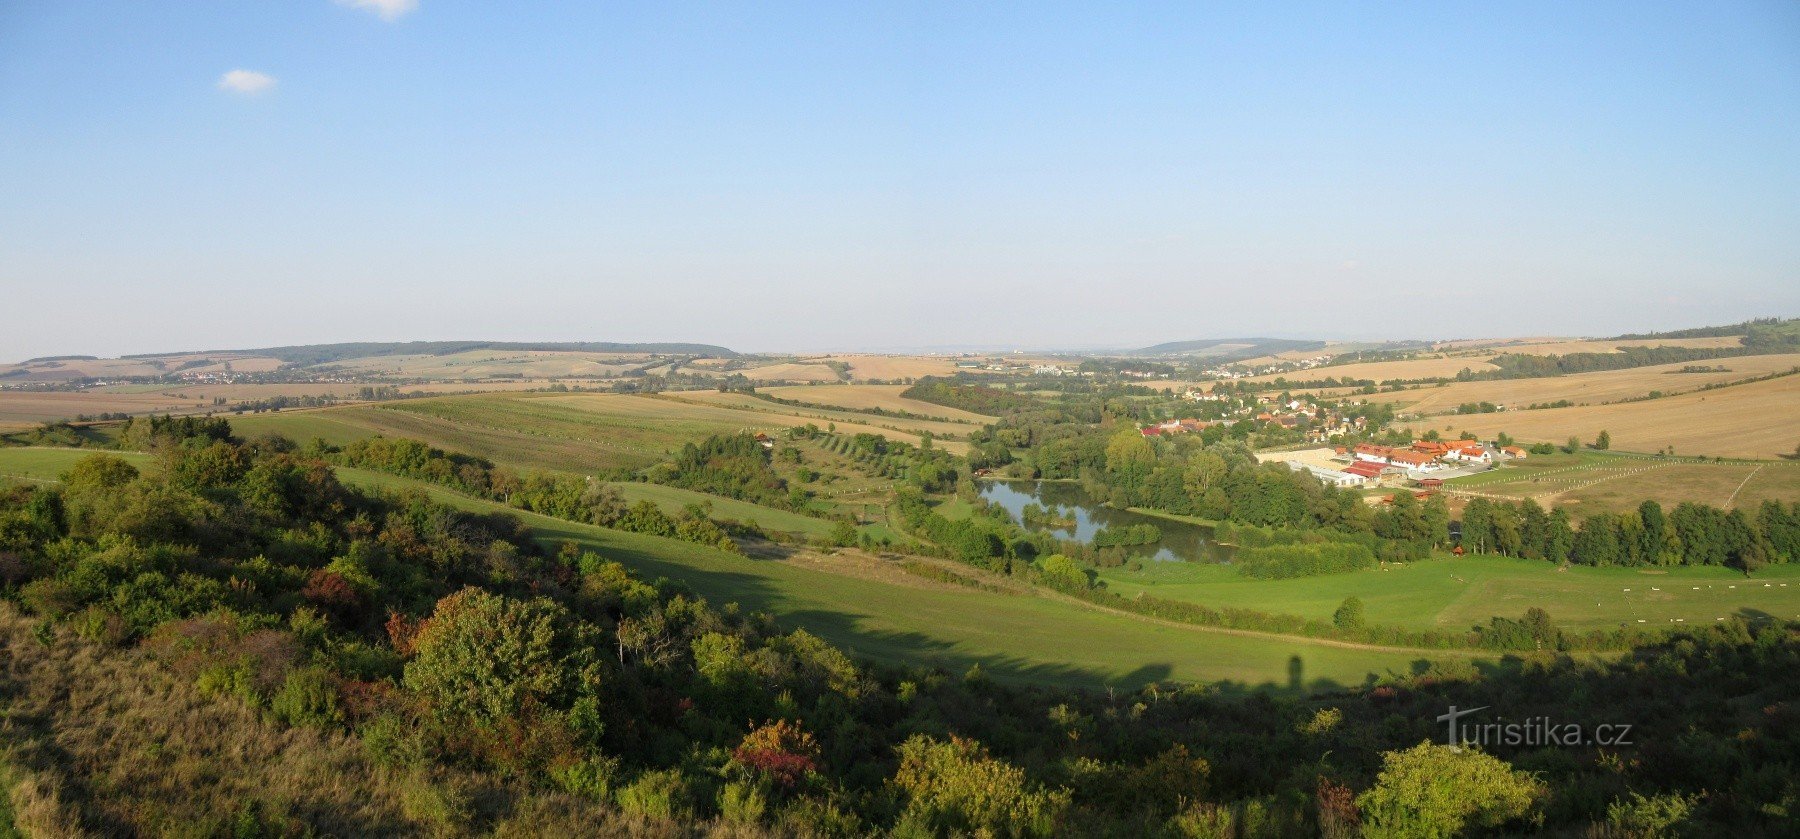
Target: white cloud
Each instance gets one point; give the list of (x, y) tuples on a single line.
[(388, 10), (246, 82)]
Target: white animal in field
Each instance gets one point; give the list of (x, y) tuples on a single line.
[(1654, 588)]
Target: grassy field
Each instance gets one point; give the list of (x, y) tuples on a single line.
[(1586, 388), (46, 465), (1459, 592), (867, 397), (1755, 420), (866, 606)]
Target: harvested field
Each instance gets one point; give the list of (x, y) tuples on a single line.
[(896, 366), (1756, 420), (477, 364), (24, 408), (65, 369), (792, 372), (1586, 388), (868, 397), (1380, 371)]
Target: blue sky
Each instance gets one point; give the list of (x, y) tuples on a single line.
[(773, 176)]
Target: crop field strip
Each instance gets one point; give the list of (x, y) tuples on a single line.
[(866, 397), (746, 402), (1603, 386), (1755, 420)]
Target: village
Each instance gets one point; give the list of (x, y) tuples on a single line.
[(1424, 464)]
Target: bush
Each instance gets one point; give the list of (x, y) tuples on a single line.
[(1433, 791), (954, 787), (660, 794), (307, 697)]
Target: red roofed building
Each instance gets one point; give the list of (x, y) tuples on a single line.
[(1365, 469), (1150, 431), (1471, 454), (1411, 459)]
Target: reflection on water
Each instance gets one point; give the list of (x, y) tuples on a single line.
[(1180, 540)]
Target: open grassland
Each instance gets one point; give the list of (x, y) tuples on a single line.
[(870, 397), (1587, 388), (1590, 482), (1020, 637), (46, 465), (820, 416), (1755, 420), (1459, 592)]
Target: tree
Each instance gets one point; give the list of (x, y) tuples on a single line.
[(1604, 441), (1432, 791), (485, 658), (1061, 573), (1573, 446), (1349, 614), (843, 534)]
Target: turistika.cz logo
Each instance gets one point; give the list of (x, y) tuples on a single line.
[(1531, 731)]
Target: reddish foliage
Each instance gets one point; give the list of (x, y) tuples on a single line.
[(1337, 808), (403, 632), (330, 591), (780, 750), (363, 700)]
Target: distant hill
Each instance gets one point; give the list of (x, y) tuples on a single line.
[(310, 354), (1224, 348)]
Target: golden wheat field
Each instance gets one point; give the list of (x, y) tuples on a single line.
[(867, 397), (1756, 420), (1587, 388)]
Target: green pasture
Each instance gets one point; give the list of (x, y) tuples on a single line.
[(1459, 592), (46, 465)]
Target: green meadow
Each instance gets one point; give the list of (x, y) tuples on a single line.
[(46, 465), (1458, 592), (1019, 637)]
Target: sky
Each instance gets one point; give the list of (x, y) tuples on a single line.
[(772, 176)]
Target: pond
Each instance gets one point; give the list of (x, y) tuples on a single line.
[(1180, 540)]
